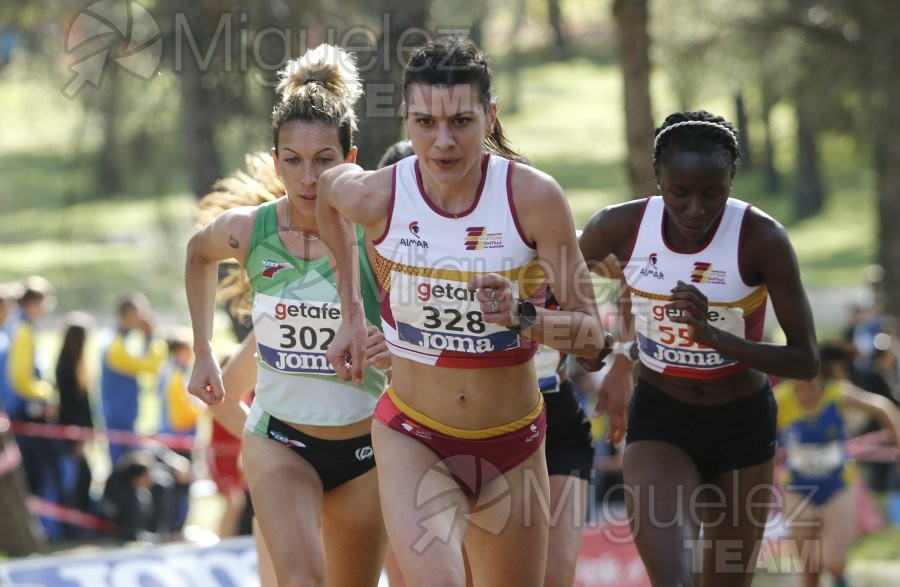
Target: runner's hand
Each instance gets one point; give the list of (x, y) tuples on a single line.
[(206, 380), (349, 343), (614, 396), (694, 309), (495, 295), (377, 353)]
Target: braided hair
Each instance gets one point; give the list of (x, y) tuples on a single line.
[(696, 132)]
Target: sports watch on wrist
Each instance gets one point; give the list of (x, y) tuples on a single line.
[(628, 349), (527, 313)]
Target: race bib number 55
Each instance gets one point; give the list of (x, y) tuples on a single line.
[(668, 342), (441, 314), (293, 335)]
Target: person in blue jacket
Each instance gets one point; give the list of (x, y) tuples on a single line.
[(122, 365)]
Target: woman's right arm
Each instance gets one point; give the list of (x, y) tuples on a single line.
[(347, 195), (224, 238)]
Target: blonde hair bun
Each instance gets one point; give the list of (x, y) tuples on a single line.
[(326, 65)]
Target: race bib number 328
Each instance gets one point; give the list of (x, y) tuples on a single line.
[(293, 335), (441, 314)]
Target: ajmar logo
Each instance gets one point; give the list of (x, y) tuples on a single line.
[(414, 228), (119, 31)]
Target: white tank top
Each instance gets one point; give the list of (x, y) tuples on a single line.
[(427, 256), (655, 267)]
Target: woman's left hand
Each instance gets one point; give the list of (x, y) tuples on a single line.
[(694, 309), (377, 353), (498, 306)]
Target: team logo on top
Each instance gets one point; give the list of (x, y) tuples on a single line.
[(414, 242), (271, 267), (651, 269), (704, 273), (478, 238)]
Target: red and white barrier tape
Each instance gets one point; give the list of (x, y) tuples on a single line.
[(54, 511), (77, 433)]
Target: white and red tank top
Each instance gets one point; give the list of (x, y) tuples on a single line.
[(427, 256), (655, 267)]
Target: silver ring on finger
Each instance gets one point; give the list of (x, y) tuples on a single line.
[(493, 306)]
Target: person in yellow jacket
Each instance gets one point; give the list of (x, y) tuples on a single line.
[(122, 365), (29, 397), (179, 414), (179, 410)]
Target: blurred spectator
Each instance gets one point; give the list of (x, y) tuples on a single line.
[(171, 479), (122, 365), (7, 306), (75, 409), (127, 500), (880, 377), (180, 410), (30, 398), (868, 319), (141, 491)]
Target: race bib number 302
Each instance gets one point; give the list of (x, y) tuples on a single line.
[(441, 314), (293, 335)]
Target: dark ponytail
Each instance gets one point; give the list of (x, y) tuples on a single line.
[(498, 143)]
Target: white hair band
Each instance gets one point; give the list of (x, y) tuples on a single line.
[(721, 127)]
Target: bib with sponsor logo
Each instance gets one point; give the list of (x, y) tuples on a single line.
[(426, 258), (655, 267), (296, 313)]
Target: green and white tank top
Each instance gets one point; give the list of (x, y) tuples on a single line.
[(296, 312)]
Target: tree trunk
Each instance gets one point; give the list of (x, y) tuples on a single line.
[(771, 177), (634, 54), (22, 533), (378, 110), (886, 117), (560, 40), (808, 192), (198, 112), (108, 170), (743, 131), (514, 58)]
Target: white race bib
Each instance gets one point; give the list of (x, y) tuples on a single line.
[(815, 460), (442, 314), (293, 335), (668, 342)]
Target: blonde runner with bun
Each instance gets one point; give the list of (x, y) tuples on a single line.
[(306, 443)]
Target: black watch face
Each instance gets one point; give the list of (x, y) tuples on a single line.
[(527, 311)]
